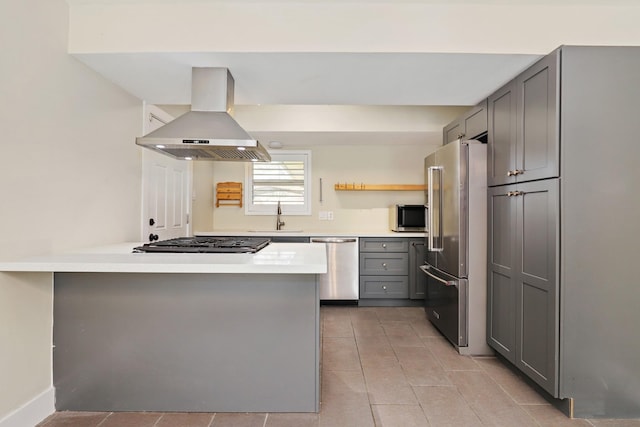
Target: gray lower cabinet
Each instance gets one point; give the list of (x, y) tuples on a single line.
[(389, 268), (384, 268), (384, 287), (523, 315)]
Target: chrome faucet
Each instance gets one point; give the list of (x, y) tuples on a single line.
[(279, 222)]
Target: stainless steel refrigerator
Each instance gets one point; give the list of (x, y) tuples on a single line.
[(455, 265)]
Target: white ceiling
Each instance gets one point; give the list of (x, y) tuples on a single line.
[(428, 79), (407, 66)]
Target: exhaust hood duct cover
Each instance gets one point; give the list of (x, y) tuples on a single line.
[(207, 132)]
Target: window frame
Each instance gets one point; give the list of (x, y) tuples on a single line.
[(270, 209)]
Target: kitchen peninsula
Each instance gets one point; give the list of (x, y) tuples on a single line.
[(185, 332)]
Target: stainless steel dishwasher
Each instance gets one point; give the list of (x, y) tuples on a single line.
[(340, 283)]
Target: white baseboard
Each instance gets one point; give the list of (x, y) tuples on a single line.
[(32, 412)]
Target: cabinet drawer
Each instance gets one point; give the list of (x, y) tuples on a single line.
[(384, 264), (384, 287), (384, 245)]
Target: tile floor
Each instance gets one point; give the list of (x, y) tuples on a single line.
[(383, 367)]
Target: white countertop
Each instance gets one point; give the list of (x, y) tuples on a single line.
[(309, 233), (278, 258)]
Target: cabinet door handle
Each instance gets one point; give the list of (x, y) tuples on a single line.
[(514, 193)]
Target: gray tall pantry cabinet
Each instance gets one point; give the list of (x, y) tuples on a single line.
[(564, 226)]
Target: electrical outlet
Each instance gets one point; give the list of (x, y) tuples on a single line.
[(322, 215), (330, 215)]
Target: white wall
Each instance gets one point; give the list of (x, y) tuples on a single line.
[(70, 177), (353, 211)]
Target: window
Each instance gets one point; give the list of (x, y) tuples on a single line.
[(286, 178)]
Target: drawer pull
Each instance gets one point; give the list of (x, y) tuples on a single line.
[(384, 265), (384, 287), (384, 245)]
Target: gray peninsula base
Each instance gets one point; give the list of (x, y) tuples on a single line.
[(186, 342)]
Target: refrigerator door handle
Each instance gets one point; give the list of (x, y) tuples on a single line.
[(425, 270), (432, 208)]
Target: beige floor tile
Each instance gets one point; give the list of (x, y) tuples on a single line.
[(340, 354), (514, 386), (448, 357), (615, 423), (374, 346), (398, 328), (413, 313), (342, 385), (345, 401), (292, 420), (388, 386), (337, 327), (373, 362), (424, 328), (346, 413), (225, 419), (364, 313), (490, 403), (399, 416), (184, 419), (368, 327), (400, 333), (548, 416), (445, 407), (390, 313), (420, 367), (74, 419), (131, 419)]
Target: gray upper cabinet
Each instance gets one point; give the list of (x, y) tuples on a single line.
[(501, 140), (523, 126), (470, 125)]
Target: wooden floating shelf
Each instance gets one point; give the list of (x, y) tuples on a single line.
[(229, 194), (379, 187)]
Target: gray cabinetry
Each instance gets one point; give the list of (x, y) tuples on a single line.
[(523, 278), (385, 268), (523, 126), (563, 231), (468, 126)]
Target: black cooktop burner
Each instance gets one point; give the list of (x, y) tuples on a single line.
[(204, 244)]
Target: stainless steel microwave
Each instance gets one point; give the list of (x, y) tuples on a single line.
[(408, 217)]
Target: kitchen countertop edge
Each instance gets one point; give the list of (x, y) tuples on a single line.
[(276, 258)]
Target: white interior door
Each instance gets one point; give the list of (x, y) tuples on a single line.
[(166, 187)]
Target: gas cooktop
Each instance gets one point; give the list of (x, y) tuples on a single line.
[(206, 245)]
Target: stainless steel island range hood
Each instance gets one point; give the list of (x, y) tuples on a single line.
[(207, 132)]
